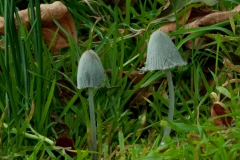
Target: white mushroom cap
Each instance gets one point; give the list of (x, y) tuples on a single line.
[(162, 54), (90, 71)]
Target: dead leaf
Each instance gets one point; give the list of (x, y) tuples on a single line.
[(228, 64), (64, 90), (198, 18), (236, 9), (207, 9), (177, 6), (60, 128), (171, 26), (203, 40), (120, 3), (210, 19), (196, 14), (121, 31), (138, 98), (1, 25), (213, 18), (57, 11), (67, 144), (136, 76), (217, 110), (194, 136)]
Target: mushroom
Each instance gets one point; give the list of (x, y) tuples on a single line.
[(162, 54), (90, 75)]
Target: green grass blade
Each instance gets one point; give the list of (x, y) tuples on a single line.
[(47, 105)]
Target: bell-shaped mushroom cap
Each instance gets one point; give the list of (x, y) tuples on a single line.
[(162, 54), (90, 71)]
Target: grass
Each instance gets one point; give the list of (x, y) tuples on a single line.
[(40, 102)]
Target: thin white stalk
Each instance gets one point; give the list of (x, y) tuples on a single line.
[(92, 123), (171, 103)]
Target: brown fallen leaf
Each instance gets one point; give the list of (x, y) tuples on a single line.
[(196, 18), (57, 11), (210, 19), (209, 9), (120, 3), (197, 14), (1, 25), (213, 18), (138, 99), (207, 20), (217, 110), (66, 144), (121, 31), (136, 76), (228, 64), (171, 26), (60, 128), (64, 88), (203, 40)]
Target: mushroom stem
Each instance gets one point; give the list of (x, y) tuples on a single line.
[(92, 123), (171, 103)]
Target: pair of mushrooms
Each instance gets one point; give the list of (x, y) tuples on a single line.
[(162, 54)]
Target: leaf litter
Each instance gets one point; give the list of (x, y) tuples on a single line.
[(57, 11)]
